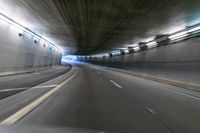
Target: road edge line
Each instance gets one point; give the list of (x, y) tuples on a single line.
[(30, 107)]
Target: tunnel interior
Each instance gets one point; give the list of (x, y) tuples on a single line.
[(100, 66)]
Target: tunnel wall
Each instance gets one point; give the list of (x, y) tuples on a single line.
[(177, 62), (20, 53)]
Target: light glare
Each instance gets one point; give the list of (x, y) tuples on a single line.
[(136, 49), (151, 44), (17, 25), (194, 29), (178, 35)]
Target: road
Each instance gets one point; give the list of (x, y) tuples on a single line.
[(107, 100), (13, 84)]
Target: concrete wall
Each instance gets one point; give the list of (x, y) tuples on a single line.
[(179, 62), (18, 53)]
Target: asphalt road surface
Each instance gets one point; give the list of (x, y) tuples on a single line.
[(10, 85), (111, 101)]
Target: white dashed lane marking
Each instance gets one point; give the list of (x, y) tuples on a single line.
[(116, 84)]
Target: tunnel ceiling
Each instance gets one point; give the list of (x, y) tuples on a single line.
[(89, 26)]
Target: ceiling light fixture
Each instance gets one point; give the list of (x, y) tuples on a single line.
[(178, 35), (136, 49), (126, 51), (194, 29), (151, 44)]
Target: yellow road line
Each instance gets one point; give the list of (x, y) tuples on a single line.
[(27, 109)]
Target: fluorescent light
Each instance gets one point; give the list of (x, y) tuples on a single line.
[(151, 44), (122, 48), (148, 39), (106, 54), (136, 49), (126, 51), (100, 55), (116, 53), (194, 29), (178, 35)]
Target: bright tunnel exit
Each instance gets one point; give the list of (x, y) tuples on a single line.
[(67, 58)]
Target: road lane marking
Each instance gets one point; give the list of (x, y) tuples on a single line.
[(25, 88), (27, 109), (116, 84), (151, 111), (175, 91), (14, 89), (184, 94), (45, 86)]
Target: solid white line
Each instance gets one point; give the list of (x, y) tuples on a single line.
[(25, 88), (14, 89), (45, 86), (116, 84), (27, 109), (184, 94)]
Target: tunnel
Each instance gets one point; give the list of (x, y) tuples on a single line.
[(99, 66)]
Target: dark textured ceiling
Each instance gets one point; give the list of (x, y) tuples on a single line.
[(88, 26)]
